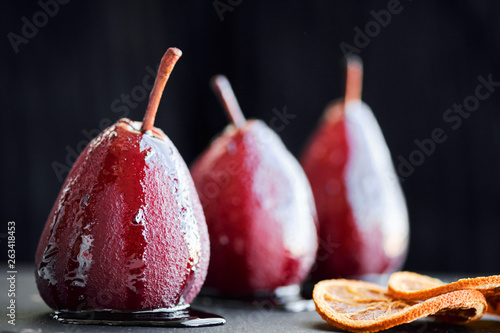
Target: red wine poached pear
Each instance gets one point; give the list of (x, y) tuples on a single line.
[(258, 205), (127, 231), (363, 219)]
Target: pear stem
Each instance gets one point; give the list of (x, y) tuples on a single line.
[(222, 88), (354, 79), (166, 66)]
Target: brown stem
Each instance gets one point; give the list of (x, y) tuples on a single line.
[(354, 79), (222, 88), (166, 66)]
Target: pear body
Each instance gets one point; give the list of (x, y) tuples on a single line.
[(361, 208), (127, 231), (259, 209)]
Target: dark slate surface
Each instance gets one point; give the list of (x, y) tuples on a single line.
[(32, 316)]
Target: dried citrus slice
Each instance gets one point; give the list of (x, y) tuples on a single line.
[(359, 306), (413, 286)]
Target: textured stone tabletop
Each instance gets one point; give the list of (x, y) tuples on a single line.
[(32, 315)]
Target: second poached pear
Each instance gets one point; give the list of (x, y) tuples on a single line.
[(259, 209)]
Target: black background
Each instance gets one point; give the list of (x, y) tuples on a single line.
[(276, 53)]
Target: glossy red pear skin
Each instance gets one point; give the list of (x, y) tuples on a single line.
[(349, 246), (127, 231), (259, 209)]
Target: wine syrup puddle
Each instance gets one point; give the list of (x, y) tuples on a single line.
[(296, 304), (288, 299), (186, 317)]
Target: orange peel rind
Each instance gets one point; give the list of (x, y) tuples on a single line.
[(358, 306), (414, 286)]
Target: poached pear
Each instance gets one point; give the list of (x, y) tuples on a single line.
[(363, 219), (127, 230), (258, 206)]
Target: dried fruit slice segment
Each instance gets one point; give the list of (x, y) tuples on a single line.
[(359, 306), (413, 286)]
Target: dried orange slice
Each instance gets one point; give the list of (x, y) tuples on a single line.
[(359, 306), (413, 286)]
